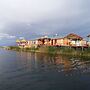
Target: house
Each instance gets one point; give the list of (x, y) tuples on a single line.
[(74, 40), (33, 43), (61, 42), (56, 41), (47, 41), (22, 43), (43, 41)]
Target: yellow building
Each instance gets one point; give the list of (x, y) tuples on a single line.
[(22, 43)]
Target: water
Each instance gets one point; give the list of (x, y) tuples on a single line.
[(35, 71)]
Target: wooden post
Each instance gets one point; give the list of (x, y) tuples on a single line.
[(82, 48)]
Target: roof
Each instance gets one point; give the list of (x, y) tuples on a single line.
[(17, 40), (48, 37), (56, 37), (23, 40), (73, 36)]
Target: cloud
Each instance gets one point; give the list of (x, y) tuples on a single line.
[(38, 10), (6, 36), (29, 18), (21, 38)]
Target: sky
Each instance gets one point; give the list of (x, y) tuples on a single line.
[(35, 18)]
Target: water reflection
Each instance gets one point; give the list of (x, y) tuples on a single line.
[(38, 71), (45, 62)]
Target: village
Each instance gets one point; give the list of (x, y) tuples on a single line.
[(72, 40)]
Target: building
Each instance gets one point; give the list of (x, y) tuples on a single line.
[(75, 40), (22, 43), (69, 40), (43, 41)]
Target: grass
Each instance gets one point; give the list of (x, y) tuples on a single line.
[(55, 50)]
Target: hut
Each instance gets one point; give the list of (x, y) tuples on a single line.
[(22, 43), (73, 40)]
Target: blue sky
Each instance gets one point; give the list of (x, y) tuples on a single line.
[(33, 18)]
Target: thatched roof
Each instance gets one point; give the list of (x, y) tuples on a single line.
[(23, 40), (17, 40), (73, 36)]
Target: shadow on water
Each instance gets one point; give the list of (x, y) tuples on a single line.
[(39, 71)]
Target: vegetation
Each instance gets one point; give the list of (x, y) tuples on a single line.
[(55, 50), (13, 48)]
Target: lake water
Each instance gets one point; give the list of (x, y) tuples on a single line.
[(36, 71)]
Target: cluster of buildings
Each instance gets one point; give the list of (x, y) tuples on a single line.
[(71, 39)]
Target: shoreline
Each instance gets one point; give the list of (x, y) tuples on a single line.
[(53, 51)]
